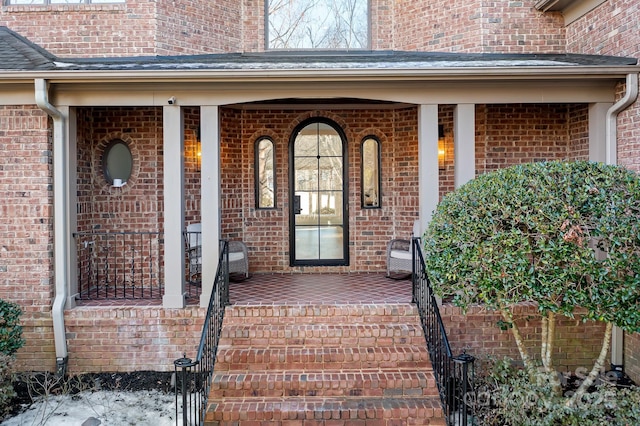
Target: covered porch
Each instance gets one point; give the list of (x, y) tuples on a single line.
[(438, 123)]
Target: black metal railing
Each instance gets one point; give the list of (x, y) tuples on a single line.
[(193, 262), (455, 375), (120, 265), (193, 377)]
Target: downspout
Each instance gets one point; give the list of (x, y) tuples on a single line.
[(60, 226), (611, 157)]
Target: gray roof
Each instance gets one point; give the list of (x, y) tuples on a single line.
[(17, 53)]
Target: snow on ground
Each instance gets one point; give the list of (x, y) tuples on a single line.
[(104, 408)]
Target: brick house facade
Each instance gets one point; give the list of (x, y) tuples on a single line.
[(550, 103)]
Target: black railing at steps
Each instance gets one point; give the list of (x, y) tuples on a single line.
[(193, 377), (454, 375)]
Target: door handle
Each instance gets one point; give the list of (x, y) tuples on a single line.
[(296, 205)]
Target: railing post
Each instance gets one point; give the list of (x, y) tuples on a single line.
[(184, 364), (465, 361)]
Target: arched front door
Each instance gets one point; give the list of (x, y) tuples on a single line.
[(319, 232)]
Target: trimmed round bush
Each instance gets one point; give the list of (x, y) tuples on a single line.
[(562, 234)]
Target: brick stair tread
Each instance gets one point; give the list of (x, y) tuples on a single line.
[(322, 335), (298, 357), (326, 314), (325, 409), (324, 383)]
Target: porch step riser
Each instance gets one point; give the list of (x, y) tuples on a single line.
[(327, 384), (332, 411), (230, 358), (309, 333), (329, 314)]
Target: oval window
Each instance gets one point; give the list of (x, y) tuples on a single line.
[(117, 163)]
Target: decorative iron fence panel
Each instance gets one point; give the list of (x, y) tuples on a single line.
[(455, 375), (120, 265), (193, 377), (193, 262)]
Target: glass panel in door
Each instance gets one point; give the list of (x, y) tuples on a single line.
[(319, 226)]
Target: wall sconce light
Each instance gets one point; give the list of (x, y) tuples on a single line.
[(441, 147), (197, 150)]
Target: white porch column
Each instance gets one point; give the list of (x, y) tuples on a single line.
[(464, 143), (428, 170), (174, 263), (210, 198), (598, 131)]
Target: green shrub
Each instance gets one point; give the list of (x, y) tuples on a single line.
[(10, 328), (10, 341), (564, 235), (7, 392), (509, 398)]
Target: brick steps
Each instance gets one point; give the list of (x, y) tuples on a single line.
[(328, 411), (323, 335), (323, 364), (325, 383), (281, 358), (321, 314)]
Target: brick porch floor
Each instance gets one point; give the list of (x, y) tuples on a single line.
[(356, 288)]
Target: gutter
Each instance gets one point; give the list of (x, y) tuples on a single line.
[(418, 73), (612, 118), (60, 223), (611, 157)]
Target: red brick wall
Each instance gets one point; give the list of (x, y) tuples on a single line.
[(451, 25), (193, 27), (577, 344), (131, 338), (97, 30), (26, 238), (516, 134), (133, 28), (578, 132), (464, 26), (138, 205), (632, 356), (253, 32), (611, 29), (516, 27), (266, 232)]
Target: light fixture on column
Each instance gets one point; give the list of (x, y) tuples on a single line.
[(441, 147)]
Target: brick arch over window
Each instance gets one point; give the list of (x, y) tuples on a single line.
[(96, 162), (336, 118)]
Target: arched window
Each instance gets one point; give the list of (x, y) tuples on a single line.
[(370, 168), (265, 173)]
